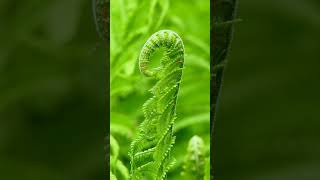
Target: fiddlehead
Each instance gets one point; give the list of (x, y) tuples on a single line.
[(194, 162), (150, 151)]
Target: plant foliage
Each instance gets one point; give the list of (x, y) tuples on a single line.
[(195, 160), (131, 23), (150, 152)]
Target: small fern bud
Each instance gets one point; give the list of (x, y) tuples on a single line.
[(194, 162)]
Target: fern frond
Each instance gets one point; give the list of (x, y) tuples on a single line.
[(150, 151), (114, 151), (122, 170), (122, 131), (114, 146), (112, 176), (117, 168), (194, 163)]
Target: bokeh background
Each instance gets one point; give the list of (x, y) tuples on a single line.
[(268, 124), (52, 100)]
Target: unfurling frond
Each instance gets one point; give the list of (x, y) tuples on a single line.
[(194, 162), (150, 151)]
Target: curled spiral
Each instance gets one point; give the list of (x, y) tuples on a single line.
[(173, 45), (150, 151)]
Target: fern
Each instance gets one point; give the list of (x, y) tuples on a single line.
[(150, 151), (121, 131), (112, 176), (117, 169), (194, 163)]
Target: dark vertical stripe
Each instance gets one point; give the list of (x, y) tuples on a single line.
[(220, 40)]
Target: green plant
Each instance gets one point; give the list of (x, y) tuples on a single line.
[(117, 168), (132, 21), (150, 151), (195, 160)]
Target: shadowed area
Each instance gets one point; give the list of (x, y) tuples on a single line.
[(268, 116), (52, 82)]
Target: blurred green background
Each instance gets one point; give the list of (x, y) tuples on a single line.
[(268, 124), (132, 23), (52, 99)]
